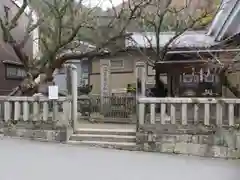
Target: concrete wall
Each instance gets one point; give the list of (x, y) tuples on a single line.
[(120, 77), (118, 81)]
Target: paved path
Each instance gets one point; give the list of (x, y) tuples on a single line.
[(26, 160)]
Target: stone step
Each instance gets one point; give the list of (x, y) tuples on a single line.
[(105, 144), (103, 138), (123, 132), (114, 120)]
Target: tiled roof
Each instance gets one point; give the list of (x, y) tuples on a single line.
[(226, 22), (187, 39)]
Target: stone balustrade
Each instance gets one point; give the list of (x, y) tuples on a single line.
[(206, 127), (38, 108), (36, 117), (217, 111)]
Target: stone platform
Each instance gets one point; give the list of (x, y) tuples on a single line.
[(197, 140)]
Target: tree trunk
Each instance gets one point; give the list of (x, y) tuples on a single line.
[(157, 81), (161, 89), (29, 86)]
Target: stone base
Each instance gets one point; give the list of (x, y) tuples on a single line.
[(201, 150), (197, 141), (58, 135)]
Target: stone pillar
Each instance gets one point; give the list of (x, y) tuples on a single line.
[(74, 93), (141, 74), (68, 80), (105, 74), (238, 141)]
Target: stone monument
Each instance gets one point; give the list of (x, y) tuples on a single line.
[(105, 73)]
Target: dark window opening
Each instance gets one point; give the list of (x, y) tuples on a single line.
[(15, 72)]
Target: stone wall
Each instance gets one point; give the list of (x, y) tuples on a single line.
[(40, 132), (195, 140)]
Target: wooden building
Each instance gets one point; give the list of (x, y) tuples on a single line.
[(188, 75), (195, 72)]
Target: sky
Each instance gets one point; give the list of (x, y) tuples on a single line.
[(104, 4)]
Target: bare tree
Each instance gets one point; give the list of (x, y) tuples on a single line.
[(61, 24), (226, 62), (161, 16), (225, 57)]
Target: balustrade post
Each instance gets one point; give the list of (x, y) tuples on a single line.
[(219, 114), (152, 114), (184, 114), (141, 113), (196, 113), (36, 111), (55, 110), (16, 111), (45, 110), (230, 114), (66, 112), (163, 113), (173, 114), (7, 111), (207, 114), (25, 111)]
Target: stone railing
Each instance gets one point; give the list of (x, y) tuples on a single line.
[(36, 116), (217, 111), (37, 108), (206, 127)]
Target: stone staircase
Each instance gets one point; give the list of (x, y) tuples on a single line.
[(109, 138)]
